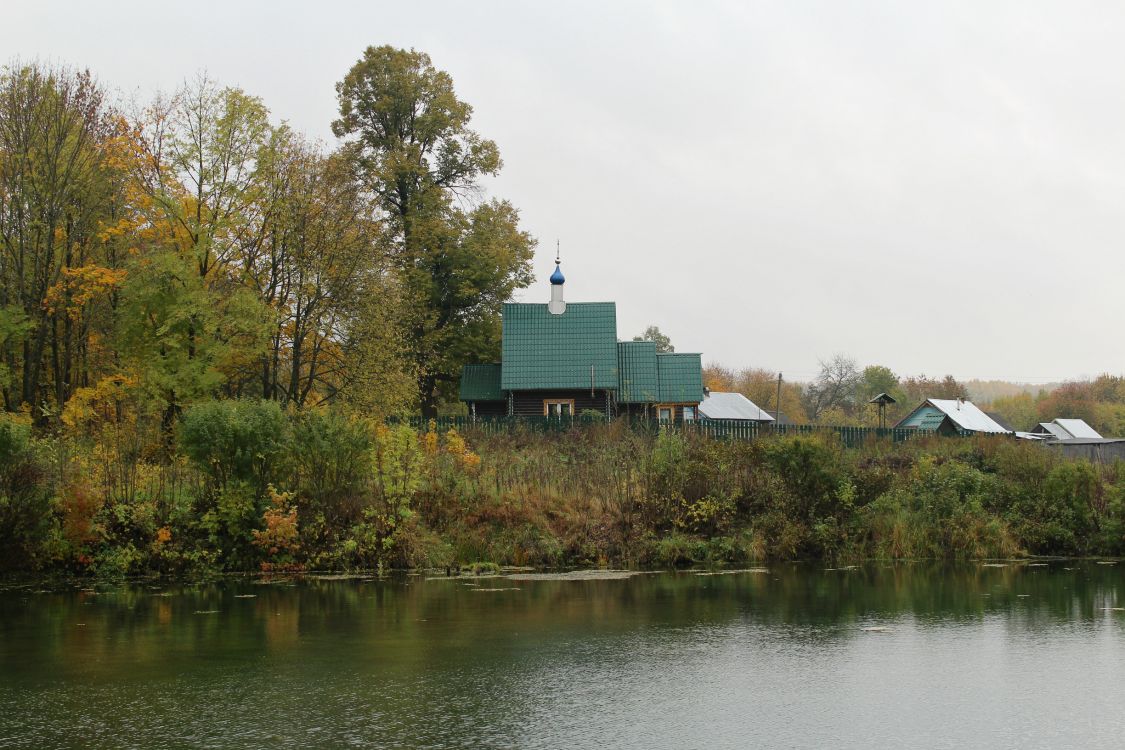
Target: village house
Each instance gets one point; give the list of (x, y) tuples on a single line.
[(561, 359), (950, 416)]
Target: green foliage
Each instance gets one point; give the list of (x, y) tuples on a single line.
[(655, 335), (235, 442), (329, 456), (27, 516), (180, 336), (809, 467), (411, 144), (256, 487)]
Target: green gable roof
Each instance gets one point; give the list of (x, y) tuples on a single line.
[(636, 366), (926, 417), (542, 351), (481, 383), (681, 378), (649, 378)]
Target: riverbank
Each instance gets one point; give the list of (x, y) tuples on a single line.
[(246, 486)]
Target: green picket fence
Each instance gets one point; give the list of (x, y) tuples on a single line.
[(851, 437)]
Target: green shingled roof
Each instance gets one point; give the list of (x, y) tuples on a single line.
[(637, 371), (481, 383), (648, 377), (681, 378), (541, 350)]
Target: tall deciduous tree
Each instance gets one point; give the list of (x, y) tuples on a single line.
[(655, 335), (834, 388), (409, 139), (57, 203)]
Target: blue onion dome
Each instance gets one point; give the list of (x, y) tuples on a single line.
[(557, 277)]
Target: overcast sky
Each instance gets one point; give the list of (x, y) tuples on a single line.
[(935, 187)]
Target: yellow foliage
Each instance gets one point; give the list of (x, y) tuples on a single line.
[(456, 446), (101, 404), (430, 439), (80, 286), (281, 535)]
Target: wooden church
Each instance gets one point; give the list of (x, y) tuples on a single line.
[(562, 359)]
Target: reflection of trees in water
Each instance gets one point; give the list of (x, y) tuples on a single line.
[(409, 623)]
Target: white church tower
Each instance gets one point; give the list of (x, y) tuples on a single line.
[(557, 306)]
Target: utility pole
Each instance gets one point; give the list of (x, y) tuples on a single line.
[(777, 416)]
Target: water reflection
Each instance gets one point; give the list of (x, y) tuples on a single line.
[(919, 654)]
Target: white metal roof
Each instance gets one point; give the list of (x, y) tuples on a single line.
[(721, 405), (1051, 429), (966, 415), (1077, 428)]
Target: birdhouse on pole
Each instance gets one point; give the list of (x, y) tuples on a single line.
[(882, 400)]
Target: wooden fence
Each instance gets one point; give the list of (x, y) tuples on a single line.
[(717, 429)]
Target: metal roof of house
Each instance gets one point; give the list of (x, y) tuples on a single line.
[(481, 383), (636, 367), (1077, 428), (1053, 430), (680, 376), (931, 422), (723, 405), (577, 349), (965, 415), (1086, 441)]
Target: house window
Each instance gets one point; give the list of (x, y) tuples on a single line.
[(689, 413), (558, 407), (665, 414)]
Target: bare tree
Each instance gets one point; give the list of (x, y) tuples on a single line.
[(835, 387)]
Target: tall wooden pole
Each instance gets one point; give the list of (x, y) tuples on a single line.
[(777, 419)]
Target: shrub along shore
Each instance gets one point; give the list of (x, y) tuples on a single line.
[(246, 486)]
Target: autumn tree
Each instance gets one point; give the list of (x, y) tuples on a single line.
[(59, 202), (1020, 410), (316, 259), (716, 377), (409, 141), (920, 388)]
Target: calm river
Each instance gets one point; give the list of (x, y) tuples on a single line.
[(904, 656)]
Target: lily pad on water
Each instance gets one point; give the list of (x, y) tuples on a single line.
[(245, 596), (206, 612), (575, 575), (510, 588), (732, 572)]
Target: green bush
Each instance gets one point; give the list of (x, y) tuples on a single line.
[(329, 462), (27, 514), (235, 441)]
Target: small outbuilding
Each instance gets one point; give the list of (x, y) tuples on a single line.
[(722, 405), (1066, 429)]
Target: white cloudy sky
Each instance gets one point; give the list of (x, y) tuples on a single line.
[(938, 187)]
